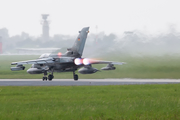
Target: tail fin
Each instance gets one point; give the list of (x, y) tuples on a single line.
[(79, 44)]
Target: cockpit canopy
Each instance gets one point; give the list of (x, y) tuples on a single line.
[(45, 55)]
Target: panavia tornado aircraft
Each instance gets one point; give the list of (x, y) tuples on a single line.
[(68, 62)]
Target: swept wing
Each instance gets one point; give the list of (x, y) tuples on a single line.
[(108, 62), (37, 61)]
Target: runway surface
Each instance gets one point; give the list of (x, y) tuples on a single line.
[(71, 82)]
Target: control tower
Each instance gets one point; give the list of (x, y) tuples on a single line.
[(45, 27)]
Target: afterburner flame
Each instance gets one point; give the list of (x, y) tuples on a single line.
[(86, 61), (78, 61)]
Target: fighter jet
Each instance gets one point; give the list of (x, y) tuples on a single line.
[(68, 62)]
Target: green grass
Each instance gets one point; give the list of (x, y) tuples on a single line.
[(91, 102), (136, 67)]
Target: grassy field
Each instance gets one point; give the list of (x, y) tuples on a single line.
[(121, 102), (136, 67), (161, 102)]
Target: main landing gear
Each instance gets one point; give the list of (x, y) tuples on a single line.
[(50, 77), (44, 78), (75, 76)]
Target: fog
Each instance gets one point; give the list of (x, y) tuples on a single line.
[(134, 43)]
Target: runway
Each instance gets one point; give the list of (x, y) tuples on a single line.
[(86, 82)]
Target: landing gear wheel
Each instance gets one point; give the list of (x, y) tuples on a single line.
[(44, 78), (50, 77), (75, 77)]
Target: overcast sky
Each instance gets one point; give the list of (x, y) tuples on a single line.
[(69, 16)]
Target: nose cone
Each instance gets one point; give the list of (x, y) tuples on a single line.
[(29, 71), (35, 71), (87, 70), (82, 70)]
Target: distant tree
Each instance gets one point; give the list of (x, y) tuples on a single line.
[(4, 33)]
